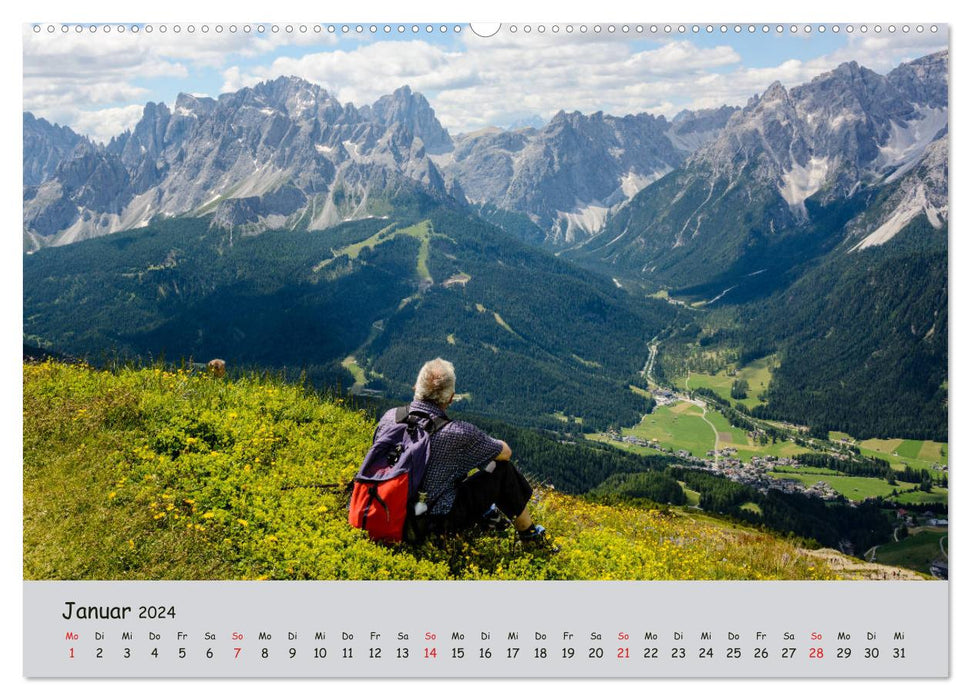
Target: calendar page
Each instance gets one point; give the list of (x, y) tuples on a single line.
[(450, 350)]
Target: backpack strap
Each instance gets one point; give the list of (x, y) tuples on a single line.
[(438, 422), (404, 414)]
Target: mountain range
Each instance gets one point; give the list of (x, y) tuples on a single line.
[(285, 153), (842, 179)]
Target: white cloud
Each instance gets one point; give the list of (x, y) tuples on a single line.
[(70, 75), (472, 83), (883, 53), (102, 124), (369, 71), (497, 80)]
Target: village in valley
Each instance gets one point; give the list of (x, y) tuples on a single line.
[(724, 462), (693, 426)]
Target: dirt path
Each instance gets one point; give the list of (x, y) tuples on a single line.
[(704, 411), (859, 569), (940, 542), (704, 417)]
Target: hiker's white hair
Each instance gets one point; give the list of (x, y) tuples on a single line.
[(436, 382)]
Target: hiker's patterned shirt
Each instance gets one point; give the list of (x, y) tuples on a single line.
[(456, 449)]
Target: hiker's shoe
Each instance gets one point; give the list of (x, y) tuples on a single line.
[(535, 537), (493, 520)]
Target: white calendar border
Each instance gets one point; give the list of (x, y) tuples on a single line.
[(385, 10)]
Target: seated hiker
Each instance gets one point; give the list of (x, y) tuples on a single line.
[(455, 499)]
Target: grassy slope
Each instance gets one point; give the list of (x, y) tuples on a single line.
[(158, 474), (758, 374), (917, 551)]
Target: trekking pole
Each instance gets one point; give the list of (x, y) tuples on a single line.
[(291, 487)]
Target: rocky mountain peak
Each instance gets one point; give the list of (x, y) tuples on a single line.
[(45, 146), (194, 105), (924, 78), (412, 111)]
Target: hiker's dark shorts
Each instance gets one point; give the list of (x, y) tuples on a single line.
[(503, 486)]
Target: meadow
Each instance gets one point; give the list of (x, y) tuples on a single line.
[(916, 552), (855, 488), (682, 426), (161, 473), (757, 374), (918, 454), (679, 426)]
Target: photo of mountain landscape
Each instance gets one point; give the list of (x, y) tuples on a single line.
[(697, 279)]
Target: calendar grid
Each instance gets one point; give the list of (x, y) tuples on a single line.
[(451, 629)]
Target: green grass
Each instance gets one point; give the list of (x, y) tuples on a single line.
[(822, 471), (693, 497), (353, 250), (678, 426), (858, 488), (586, 363), (422, 231), (720, 383), (855, 488), (910, 448), (172, 474), (918, 454), (640, 391), (350, 364), (502, 324), (564, 418), (916, 552), (751, 507), (737, 437), (933, 452), (936, 495), (758, 374)]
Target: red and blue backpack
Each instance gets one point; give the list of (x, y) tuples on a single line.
[(386, 487)]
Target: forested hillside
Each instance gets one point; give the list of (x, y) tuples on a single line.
[(531, 336), (864, 341)]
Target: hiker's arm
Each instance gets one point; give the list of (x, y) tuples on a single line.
[(505, 454)]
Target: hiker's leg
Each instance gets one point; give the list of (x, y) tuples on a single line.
[(502, 484), (522, 521), (514, 494)]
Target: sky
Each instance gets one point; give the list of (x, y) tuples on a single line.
[(98, 82)]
